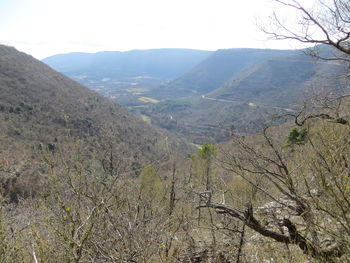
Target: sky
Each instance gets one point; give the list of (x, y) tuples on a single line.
[(46, 27)]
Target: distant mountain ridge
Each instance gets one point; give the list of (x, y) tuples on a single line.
[(279, 80), (160, 63), (218, 68)]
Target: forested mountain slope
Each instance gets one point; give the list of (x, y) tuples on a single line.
[(38, 104), (214, 71), (280, 81)]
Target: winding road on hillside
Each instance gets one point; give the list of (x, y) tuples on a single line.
[(251, 104)]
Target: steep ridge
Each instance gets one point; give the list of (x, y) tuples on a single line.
[(40, 105), (279, 81), (214, 71)]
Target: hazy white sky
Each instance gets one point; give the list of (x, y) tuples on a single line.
[(46, 27)]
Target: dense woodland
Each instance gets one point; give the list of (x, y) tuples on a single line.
[(84, 180)]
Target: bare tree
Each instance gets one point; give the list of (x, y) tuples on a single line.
[(325, 22), (309, 204), (309, 201)]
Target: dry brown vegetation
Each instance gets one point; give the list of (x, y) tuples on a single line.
[(82, 180)]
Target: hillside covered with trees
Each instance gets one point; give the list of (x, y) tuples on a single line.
[(84, 180)]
